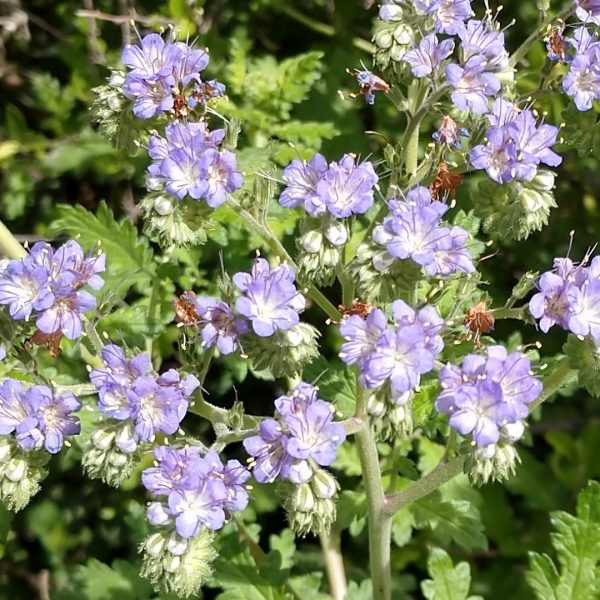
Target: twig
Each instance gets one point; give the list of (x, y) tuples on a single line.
[(121, 19)]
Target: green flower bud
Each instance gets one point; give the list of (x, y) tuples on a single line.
[(391, 415), (20, 473), (111, 111), (496, 462), (324, 484), (103, 459), (182, 573), (174, 222), (285, 353)]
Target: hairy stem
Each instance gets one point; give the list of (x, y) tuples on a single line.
[(334, 563), (9, 245), (443, 472), (380, 524), (511, 313), (412, 150), (562, 375)]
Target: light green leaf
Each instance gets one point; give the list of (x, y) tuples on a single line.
[(448, 582), (576, 540)]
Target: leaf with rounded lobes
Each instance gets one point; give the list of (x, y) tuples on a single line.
[(448, 582)]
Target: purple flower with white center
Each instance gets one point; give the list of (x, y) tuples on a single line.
[(449, 133), (498, 156), (65, 315), (270, 301), (220, 327), (346, 188), (361, 335), (198, 507), (155, 408), (301, 178), (584, 302), (472, 84), (119, 370), (49, 419), (552, 304), (312, 437), (268, 451), (427, 56), (483, 38), (399, 356), (503, 113), (297, 401), (25, 287), (478, 411), (450, 15), (390, 12), (187, 162), (451, 254), (582, 82), (428, 318), (176, 469), (369, 84)]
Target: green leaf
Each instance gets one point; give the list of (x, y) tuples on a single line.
[(448, 582), (402, 526), (336, 384), (129, 258), (351, 506), (576, 540), (584, 357), (455, 521)]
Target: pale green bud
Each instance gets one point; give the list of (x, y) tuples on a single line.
[(496, 462), (312, 241), (324, 484)]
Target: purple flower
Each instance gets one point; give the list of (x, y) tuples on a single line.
[(301, 178), (361, 335), (220, 327), (584, 303), (427, 56), (346, 188), (428, 318), (48, 419), (450, 14), (268, 451), (157, 71), (484, 39), (389, 11), (488, 393), (302, 396), (25, 288), (65, 315), (13, 410), (312, 437), (270, 301), (498, 156), (472, 84), (234, 476), (588, 11), (198, 507), (582, 82), (175, 469), (551, 305), (187, 162)]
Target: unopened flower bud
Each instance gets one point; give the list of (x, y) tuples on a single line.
[(496, 462), (324, 484), (337, 233), (312, 241)]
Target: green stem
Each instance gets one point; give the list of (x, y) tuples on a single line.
[(276, 246), (562, 375), (151, 321), (412, 150), (380, 522), (84, 389), (334, 563), (9, 245), (510, 313), (347, 288), (524, 48), (443, 472)]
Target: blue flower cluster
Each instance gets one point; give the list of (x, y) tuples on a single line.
[(49, 284), (489, 396), (302, 437), (194, 492), (569, 296), (515, 144), (400, 353), (144, 403), (37, 416), (413, 231)]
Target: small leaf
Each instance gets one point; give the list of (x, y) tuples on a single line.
[(448, 582)]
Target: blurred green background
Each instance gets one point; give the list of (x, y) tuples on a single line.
[(52, 54)]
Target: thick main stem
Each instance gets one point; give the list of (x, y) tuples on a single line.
[(380, 523)]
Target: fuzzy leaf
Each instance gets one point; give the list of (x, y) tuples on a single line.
[(576, 540), (448, 582), (584, 357)]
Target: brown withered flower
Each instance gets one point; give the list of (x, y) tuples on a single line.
[(479, 320), (444, 183), (50, 340), (362, 309), (185, 309)]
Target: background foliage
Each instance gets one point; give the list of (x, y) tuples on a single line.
[(283, 64)]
